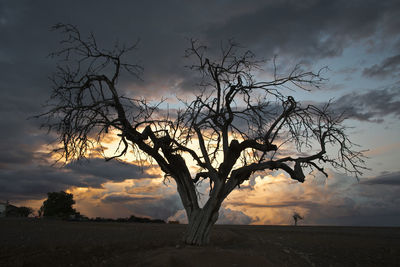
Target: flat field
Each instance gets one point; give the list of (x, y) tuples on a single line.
[(35, 242)]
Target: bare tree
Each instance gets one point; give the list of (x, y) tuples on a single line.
[(236, 126), (296, 217)]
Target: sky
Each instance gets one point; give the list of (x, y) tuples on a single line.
[(359, 42)]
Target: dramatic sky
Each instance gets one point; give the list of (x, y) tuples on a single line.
[(359, 41)]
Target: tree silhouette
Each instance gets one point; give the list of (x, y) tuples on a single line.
[(235, 126), (58, 204), (14, 211), (296, 217)]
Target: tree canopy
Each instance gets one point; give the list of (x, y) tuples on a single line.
[(58, 204)]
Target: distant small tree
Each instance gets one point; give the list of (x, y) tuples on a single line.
[(58, 204), (296, 217)]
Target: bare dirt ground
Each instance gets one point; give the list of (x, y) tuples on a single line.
[(30, 242)]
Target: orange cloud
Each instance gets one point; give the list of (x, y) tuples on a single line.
[(274, 199), (122, 199)]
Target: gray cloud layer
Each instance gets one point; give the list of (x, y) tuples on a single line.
[(309, 29), (372, 105), (33, 180), (388, 67), (391, 179)]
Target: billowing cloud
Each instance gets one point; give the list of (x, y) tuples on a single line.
[(146, 197), (372, 105), (226, 216), (337, 200), (388, 67)]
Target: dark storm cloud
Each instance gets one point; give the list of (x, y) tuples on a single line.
[(390, 179), (113, 170), (388, 67), (308, 29), (31, 180), (305, 30), (20, 139), (373, 105), (160, 207)]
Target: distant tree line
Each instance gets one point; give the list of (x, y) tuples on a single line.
[(14, 211), (59, 205), (132, 218)]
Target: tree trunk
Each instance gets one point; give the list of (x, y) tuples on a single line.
[(200, 224)]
